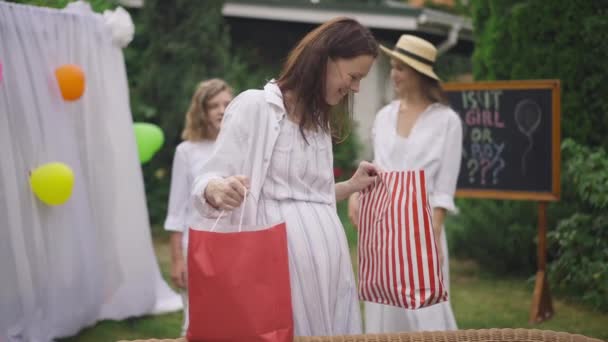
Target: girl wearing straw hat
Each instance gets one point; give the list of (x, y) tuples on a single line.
[(277, 143), (417, 131)]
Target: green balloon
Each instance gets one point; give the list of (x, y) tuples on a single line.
[(150, 139)]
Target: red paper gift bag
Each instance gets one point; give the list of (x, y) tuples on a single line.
[(238, 286), (398, 260)]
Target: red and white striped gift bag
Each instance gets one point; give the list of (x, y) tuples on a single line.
[(398, 260)]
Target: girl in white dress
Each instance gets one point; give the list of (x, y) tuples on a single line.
[(277, 143), (417, 131), (203, 121)]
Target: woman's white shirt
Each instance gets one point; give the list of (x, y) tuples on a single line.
[(249, 131), (434, 144)]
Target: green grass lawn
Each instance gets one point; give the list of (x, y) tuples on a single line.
[(479, 301), (483, 301)]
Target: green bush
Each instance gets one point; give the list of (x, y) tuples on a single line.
[(96, 5), (561, 39), (451, 65), (499, 235), (178, 44), (534, 39), (580, 240)]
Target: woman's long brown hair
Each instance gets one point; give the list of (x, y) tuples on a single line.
[(304, 72)]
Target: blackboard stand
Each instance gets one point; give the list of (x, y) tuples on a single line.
[(502, 121), (542, 305)]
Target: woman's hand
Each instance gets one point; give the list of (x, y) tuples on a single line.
[(178, 273), (178, 264), (364, 176), (439, 253), (228, 193), (438, 218), (353, 209)]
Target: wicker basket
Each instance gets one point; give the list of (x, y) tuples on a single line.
[(482, 335)]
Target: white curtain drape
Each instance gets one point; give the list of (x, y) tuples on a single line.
[(64, 268)]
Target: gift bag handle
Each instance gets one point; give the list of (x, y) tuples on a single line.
[(247, 193)]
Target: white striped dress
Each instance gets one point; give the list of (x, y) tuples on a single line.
[(299, 189)]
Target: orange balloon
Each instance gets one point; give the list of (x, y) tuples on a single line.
[(71, 81)]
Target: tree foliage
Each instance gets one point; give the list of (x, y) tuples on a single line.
[(535, 39)]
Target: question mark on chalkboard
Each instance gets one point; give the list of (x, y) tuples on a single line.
[(485, 165), (501, 166), (472, 165)]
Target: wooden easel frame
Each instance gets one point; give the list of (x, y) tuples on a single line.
[(542, 306)]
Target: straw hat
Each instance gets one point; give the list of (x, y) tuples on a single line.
[(415, 52)]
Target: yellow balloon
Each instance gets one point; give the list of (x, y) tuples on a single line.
[(52, 183)]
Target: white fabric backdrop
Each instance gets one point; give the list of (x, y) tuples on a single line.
[(63, 268)]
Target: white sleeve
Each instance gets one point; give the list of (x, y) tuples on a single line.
[(227, 157), (447, 177), (179, 195)]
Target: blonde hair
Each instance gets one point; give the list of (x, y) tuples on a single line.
[(197, 125)]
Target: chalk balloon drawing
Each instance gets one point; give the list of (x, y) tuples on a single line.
[(527, 117)]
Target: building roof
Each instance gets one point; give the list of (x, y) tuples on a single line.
[(383, 15)]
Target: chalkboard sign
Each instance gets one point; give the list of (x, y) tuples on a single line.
[(511, 138)]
